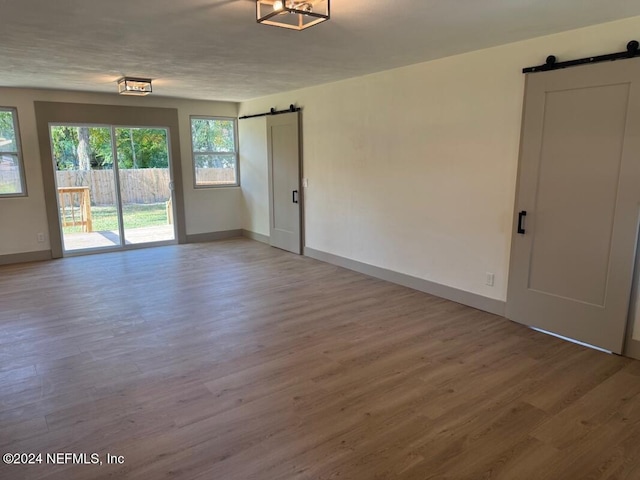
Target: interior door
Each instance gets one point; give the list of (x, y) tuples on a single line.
[(284, 182), (577, 203)]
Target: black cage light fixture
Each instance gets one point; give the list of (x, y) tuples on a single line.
[(134, 86), (293, 14)]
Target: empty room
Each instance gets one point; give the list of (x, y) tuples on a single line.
[(319, 239)]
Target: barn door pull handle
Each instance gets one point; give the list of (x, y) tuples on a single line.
[(521, 215), (295, 196)]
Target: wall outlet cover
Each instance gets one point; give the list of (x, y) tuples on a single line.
[(490, 279)]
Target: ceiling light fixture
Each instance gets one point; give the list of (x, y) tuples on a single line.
[(293, 14), (134, 86)]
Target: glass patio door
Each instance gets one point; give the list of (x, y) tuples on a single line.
[(145, 185), (86, 185), (113, 187)]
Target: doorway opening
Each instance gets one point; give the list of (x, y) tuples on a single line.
[(114, 186)]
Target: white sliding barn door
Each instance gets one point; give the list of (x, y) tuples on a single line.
[(578, 202), (285, 213)]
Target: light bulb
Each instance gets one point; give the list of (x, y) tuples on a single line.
[(277, 5)]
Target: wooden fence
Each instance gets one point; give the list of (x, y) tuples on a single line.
[(145, 185)]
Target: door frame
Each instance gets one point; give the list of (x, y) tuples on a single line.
[(112, 115), (631, 346)]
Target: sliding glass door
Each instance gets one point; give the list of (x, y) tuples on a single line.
[(145, 185), (114, 186)]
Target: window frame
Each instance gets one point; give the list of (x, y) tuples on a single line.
[(18, 153), (235, 152)]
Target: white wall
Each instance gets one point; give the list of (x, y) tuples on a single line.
[(252, 134), (414, 169), (206, 210)]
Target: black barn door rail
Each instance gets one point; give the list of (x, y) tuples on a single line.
[(552, 63), (273, 111)]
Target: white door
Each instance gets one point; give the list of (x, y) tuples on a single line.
[(284, 182), (578, 203)]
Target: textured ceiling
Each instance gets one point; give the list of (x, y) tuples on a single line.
[(214, 49)]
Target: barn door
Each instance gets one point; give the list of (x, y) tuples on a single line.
[(285, 213), (577, 204)]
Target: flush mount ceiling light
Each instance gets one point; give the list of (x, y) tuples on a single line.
[(293, 14), (134, 86)]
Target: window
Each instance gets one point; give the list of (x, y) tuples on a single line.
[(215, 151), (11, 172)]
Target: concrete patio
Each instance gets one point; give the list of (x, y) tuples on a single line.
[(89, 240)]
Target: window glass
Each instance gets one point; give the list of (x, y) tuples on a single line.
[(11, 171), (215, 156)]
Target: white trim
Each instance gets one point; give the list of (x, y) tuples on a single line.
[(213, 236), (26, 257), (470, 299), (258, 237)]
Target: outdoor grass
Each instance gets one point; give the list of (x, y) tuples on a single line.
[(8, 189), (105, 218)]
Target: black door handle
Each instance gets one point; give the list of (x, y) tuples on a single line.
[(521, 215), (295, 196)]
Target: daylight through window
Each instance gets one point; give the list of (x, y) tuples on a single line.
[(215, 152), (11, 172)]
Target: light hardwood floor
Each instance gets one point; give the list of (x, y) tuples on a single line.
[(234, 360)]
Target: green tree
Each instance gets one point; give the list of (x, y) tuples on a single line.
[(213, 142), (7, 132), (82, 148), (142, 148), (65, 141), (100, 141)]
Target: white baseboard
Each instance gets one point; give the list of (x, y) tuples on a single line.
[(474, 300), (256, 236), (213, 236), (26, 257)]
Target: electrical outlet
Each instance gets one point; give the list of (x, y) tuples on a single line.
[(40, 237), (490, 279)]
